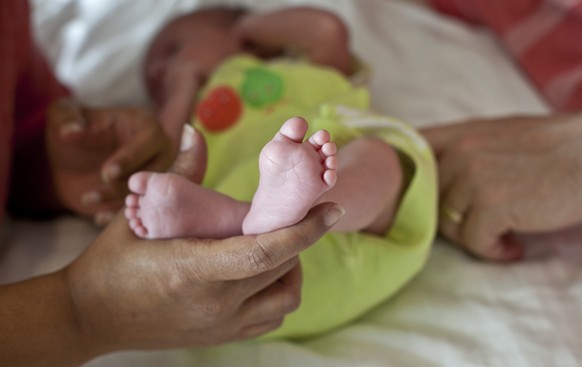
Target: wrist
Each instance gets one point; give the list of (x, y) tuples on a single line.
[(40, 326), (73, 336), (91, 337)]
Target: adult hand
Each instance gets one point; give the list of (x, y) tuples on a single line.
[(132, 293), (502, 176), (127, 293), (94, 151)]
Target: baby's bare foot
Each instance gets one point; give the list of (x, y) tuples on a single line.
[(293, 175), (153, 208), (168, 205)]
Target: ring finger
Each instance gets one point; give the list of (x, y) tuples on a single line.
[(454, 209)]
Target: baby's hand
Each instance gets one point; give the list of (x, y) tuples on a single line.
[(93, 152), (314, 33)]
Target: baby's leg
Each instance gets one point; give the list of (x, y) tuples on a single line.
[(293, 175), (369, 183), (169, 205)]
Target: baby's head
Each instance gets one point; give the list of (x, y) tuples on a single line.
[(203, 39)]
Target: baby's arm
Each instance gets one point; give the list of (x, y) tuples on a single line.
[(317, 34)]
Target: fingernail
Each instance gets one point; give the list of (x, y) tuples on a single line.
[(333, 215), (103, 218), (71, 128), (111, 173), (91, 197), (187, 138)]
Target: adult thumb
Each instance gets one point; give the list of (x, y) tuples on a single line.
[(192, 159)]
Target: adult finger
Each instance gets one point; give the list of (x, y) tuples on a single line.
[(477, 203), (253, 331), (105, 193), (471, 216), (440, 137), (267, 309), (484, 131), (104, 216), (67, 119), (452, 164), (454, 206), (145, 150), (465, 133), (280, 298), (192, 159), (247, 256), (483, 235), (244, 289), (104, 201)]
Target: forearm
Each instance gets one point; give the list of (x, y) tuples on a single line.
[(326, 41), (39, 326)]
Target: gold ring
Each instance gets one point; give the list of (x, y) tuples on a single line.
[(452, 214)]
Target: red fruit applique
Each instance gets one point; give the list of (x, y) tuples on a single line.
[(220, 109)]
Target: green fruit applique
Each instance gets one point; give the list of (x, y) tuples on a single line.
[(261, 87)]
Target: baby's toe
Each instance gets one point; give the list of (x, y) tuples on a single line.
[(330, 162), (319, 139), (329, 149), (132, 201), (330, 177), (137, 226), (294, 129)]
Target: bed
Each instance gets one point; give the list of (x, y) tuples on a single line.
[(458, 312)]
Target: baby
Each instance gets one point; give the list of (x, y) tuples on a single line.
[(295, 175), (253, 71)]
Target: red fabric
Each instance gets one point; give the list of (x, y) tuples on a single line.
[(27, 86), (544, 37)]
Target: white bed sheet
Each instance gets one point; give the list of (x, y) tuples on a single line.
[(458, 311)]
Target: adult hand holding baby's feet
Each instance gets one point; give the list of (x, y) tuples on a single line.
[(93, 151)]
